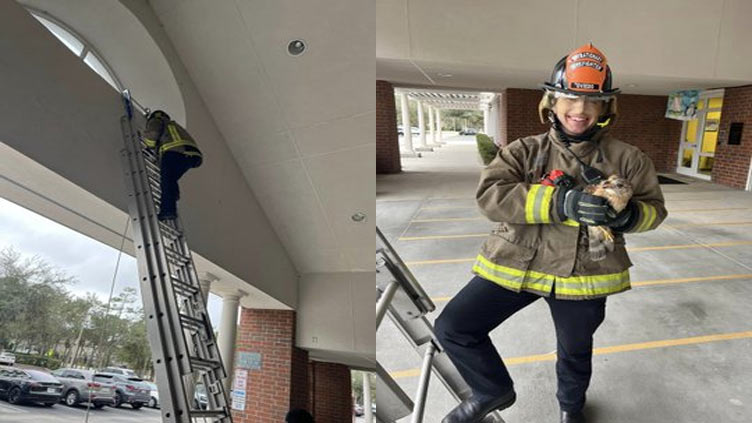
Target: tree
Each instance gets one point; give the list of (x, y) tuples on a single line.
[(356, 378)]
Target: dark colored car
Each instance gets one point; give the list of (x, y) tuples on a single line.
[(469, 131), (25, 385)]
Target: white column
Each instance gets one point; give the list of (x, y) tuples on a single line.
[(228, 329), (487, 120), (421, 126), (205, 279), (368, 413), (407, 140), (438, 127), (432, 125)]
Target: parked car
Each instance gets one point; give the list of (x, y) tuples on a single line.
[(22, 385), (358, 409), (413, 130), (86, 386), (154, 401), (200, 400), (130, 390), (469, 131), (119, 371), (7, 358)]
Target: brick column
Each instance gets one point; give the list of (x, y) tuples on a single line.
[(387, 140), (732, 162), (331, 392), (281, 380)]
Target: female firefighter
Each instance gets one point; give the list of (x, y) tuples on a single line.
[(540, 246)]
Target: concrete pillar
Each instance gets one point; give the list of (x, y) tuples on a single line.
[(368, 413), (422, 144), (432, 125), (407, 140), (205, 279), (439, 139), (228, 329), (487, 120)]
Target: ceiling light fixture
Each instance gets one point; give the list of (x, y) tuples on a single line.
[(296, 47), (359, 217)]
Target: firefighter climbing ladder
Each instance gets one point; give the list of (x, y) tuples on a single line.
[(402, 298), (180, 334)]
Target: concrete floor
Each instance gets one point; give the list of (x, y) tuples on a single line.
[(699, 285)]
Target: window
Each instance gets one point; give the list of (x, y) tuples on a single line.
[(78, 46)]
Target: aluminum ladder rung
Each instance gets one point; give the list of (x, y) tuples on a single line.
[(208, 413), (181, 284), (204, 364), (192, 321), (166, 229), (177, 254)]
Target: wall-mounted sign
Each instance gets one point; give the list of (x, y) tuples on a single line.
[(682, 105), (248, 360)]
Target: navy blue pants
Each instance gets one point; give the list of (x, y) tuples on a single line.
[(463, 327), (172, 167)]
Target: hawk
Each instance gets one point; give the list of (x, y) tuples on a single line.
[(617, 191)]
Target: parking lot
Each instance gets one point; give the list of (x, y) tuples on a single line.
[(61, 413)]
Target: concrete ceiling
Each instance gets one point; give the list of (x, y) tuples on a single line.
[(301, 128), (653, 47)]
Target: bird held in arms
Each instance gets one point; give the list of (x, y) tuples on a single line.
[(617, 191)]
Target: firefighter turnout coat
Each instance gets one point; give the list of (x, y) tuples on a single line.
[(171, 137), (531, 248)]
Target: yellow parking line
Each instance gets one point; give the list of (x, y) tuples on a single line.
[(687, 225), (706, 210), (680, 247), (609, 350), (657, 282), (423, 238), (694, 279), (663, 247)]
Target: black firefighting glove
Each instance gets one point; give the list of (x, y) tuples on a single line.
[(584, 208), (625, 219)]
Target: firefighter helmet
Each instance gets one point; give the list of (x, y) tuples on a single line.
[(584, 71)]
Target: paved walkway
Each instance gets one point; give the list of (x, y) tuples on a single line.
[(673, 349)]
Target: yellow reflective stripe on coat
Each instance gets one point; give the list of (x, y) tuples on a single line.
[(150, 143), (648, 215), (586, 286), (177, 141), (538, 204)]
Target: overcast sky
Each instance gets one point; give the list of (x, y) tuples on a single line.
[(90, 262)]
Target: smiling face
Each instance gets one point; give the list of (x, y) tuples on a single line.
[(577, 115)]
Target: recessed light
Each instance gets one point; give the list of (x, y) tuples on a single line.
[(445, 75), (296, 47), (359, 217)]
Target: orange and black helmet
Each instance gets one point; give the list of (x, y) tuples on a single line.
[(584, 71)]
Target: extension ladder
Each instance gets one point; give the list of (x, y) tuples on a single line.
[(180, 334), (403, 299)]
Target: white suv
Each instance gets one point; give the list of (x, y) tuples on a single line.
[(7, 358)]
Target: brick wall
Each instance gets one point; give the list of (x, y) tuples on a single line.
[(387, 141), (731, 165), (640, 123), (332, 392), (270, 333)]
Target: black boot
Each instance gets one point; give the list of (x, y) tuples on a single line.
[(569, 417), (474, 409)]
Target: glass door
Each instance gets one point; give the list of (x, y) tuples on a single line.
[(699, 137)]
